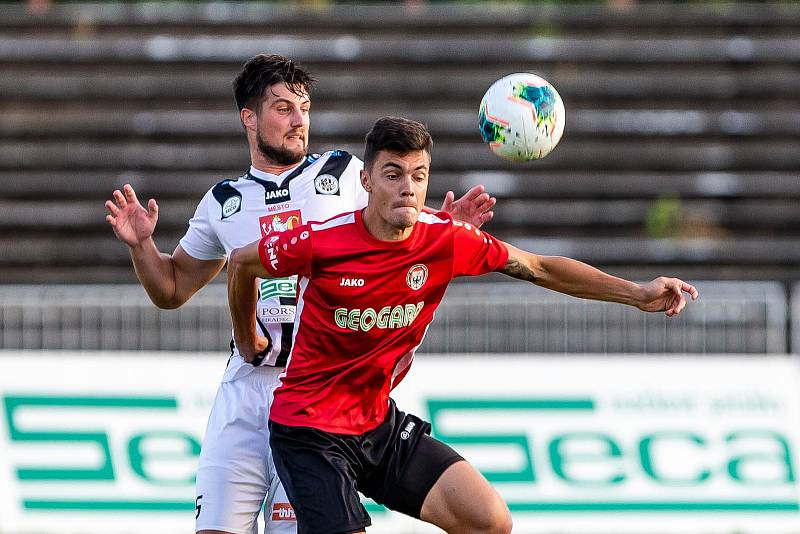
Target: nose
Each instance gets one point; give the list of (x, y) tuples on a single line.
[(298, 118), (407, 186)]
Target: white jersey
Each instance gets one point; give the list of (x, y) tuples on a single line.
[(237, 212)]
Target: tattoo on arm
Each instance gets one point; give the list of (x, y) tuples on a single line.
[(515, 269)]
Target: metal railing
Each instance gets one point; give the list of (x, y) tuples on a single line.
[(795, 319), (730, 317)]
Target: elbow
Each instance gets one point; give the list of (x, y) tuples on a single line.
[(167, 303), (173, 304), (235, 261), (237, 264)]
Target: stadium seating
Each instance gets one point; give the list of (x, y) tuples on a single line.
[(680, 152)]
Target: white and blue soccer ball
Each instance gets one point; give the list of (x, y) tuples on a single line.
[(521, 117)]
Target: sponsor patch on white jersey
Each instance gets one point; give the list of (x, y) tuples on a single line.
[(283, 511), (231, 206), (277, 314), (326, 184), (279, 222)]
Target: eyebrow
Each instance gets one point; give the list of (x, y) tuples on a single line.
[(398, 167), (287, 101)]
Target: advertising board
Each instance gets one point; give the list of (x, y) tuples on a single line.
[(109, 442)]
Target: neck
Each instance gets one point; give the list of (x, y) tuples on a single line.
[(381, 229), (264, 164)]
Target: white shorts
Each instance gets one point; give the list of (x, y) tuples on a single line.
[(235, 473)]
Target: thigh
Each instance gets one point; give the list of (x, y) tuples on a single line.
[(232, 472), (462, 500), (319, 476)]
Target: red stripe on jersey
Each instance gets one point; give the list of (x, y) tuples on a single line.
[(364, 309)]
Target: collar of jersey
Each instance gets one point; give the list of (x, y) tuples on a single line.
[(261, 176), (254, 173), (372, 240)]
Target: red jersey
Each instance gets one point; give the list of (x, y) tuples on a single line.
[(363, 308)]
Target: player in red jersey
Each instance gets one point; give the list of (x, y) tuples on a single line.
[(370, 282)]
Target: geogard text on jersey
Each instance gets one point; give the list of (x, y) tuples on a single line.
[(357, 319)]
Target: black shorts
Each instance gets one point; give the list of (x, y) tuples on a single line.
[(395, 464)]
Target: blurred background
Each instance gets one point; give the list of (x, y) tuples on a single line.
[(681, 156)]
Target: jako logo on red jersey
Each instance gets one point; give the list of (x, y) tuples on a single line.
[(352, 282), (387, 317), (283, 511)]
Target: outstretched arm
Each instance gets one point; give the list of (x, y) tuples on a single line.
[(169, 280), (578, 279), (244, 266)]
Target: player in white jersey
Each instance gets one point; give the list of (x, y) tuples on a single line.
[(283, 188)]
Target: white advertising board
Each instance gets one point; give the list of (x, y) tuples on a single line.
[(109, 442)]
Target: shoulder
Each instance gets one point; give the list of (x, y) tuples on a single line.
[(335, 162), (225, 195), (431, 217), (343, 220), (443, 223)]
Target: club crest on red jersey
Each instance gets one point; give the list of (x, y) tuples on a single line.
[(279, 222), (417, 276)]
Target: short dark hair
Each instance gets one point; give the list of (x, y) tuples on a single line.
[(263, 71), (398, 135)]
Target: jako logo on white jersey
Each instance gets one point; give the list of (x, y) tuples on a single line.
[(352, 282), (273, 196), (387, 317)]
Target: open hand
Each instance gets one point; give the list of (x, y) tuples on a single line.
[(474, 207), (131, 222)]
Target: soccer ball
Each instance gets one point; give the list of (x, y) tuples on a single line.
[(521, 117)]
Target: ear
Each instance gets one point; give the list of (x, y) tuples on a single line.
[(366, 181), (249, 118)]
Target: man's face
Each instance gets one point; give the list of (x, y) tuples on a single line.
[(282, 125), (397, 185)]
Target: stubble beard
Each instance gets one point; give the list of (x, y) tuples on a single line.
[(279, 154)]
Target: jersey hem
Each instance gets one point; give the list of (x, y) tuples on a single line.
[(199, 255), (346, 431)]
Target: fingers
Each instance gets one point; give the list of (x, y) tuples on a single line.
[(111, 220), (689, 288), (677, 308), (120, 199), (473, 193), (125, 197), (486, 217), (152, 208), (487, 203), (678, 301), (130, 194), (112, 208), (448, 201)]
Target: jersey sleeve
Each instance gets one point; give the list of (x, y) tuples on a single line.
[(361, 196), (287, 253), (201, 241), (476, 252)]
